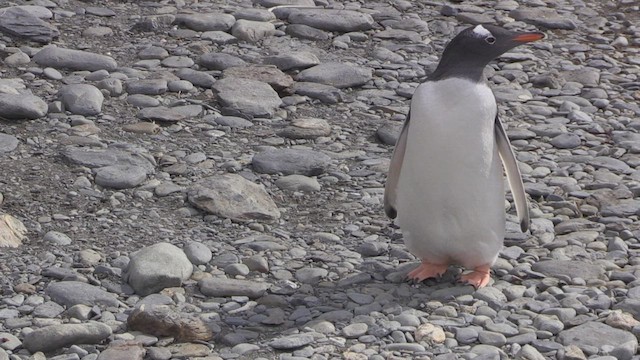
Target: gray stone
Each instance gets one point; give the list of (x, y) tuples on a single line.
[(619, 343), (332, 19), (325, 93), (142, 101), (54, 337), (543, 17), (249, 98), (309, 275), (232, 287), (57, 238), (69, 293), (566, 141), (60, 58), (356, 330), (48, 309), (263, 73), (197, 78), (307, 32), (236, 269), (206, 22), (220, 61), (233, 122), (295, 60), (389, 132), (100, 158), (298, 183), (336, 74), (161, 114), (19, 21), (252, 31), (156, 267), (8, 143), (9, 342), (232, 196), (290, 161), (112, 85), (219, 37), (120, 176), (528, 352), (18, 107), (569, 268), (306, 128), (147, 87), (197, 252), (81, 99), (17, 59), (291, 342)]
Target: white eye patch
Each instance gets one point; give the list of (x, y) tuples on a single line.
[(482, 31)]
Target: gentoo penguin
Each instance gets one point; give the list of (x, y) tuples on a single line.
[(445, 182)]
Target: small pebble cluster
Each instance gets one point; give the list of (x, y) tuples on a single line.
[(203, 180)]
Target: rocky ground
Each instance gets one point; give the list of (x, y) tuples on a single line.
[(203, 180)]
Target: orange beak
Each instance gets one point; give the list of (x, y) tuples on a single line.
[(529, 37)]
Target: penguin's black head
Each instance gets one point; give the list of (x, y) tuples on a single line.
[(474, 47)]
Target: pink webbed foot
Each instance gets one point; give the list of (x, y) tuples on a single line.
[(427, 270), (478, 278)]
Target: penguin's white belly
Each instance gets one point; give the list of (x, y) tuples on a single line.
[(450, 195)]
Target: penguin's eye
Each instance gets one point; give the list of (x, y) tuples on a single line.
[(490, 39)]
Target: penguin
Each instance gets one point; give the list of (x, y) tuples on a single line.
[(445, 187)]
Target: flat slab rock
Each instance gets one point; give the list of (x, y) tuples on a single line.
[(264, 73), (12, 231), (20, 22), (94, 158), (290, 161), (234, 197), (336, 74), (246, 97), (609, 340), (570, 268)]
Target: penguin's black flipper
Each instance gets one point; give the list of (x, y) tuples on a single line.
[(513, 174), (394, 171)]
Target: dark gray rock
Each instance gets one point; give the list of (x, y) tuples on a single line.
[(608, 340), (206, 22), (69, 293), (325, 93), (290, 161), (197, 78), (19, 22), (291, 342), (147, 87), (219, 61), (120, 176), (293, 61), (566, 141), (389, 132), (99, 158), (19, 107), (302, 31)]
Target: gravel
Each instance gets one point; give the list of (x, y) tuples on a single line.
[(205, 179)]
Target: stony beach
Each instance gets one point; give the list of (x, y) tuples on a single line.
[(188, 179)]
